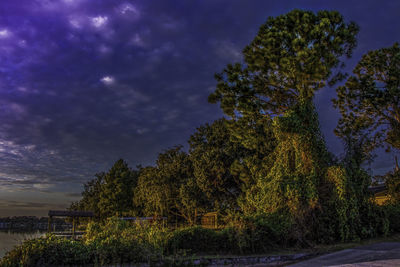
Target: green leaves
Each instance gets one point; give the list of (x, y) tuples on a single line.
[(301, 159), (168, 189), (269, 160), (213, 153), (117, 190), (291, 57), (109, 193), (48, 251), (369, 102)]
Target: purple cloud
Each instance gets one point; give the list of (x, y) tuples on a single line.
[(83, 83)]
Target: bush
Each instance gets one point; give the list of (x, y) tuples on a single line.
[(268, 231), (113, 249), (257, 234), (114, 242), (118, 241), (193, 239), (52, 251), (393, 215), (48, 251), (231, 240)]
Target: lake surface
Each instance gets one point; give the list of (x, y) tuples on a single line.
[(10, 239)]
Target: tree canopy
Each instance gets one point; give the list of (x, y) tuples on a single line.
[(268, 163), (116, 191), (110, 193), (369, 102), (292, 56), (91, 195), (168, 189), (213, 155)]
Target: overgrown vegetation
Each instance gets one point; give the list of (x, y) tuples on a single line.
[(265, 169), (116, 242)]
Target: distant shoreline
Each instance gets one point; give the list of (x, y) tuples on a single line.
[(32, 223)]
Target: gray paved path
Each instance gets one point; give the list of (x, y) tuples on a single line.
[(379, 254)]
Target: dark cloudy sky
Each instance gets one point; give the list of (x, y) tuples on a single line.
[(85, 82)]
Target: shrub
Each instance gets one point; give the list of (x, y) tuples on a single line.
[(393, 215), (118, 241), (249, 235), (231, 240), (114, 249), (48, 251), (269, 230), (193, 239), (114, 242)]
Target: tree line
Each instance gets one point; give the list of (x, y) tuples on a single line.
[(268, 156)]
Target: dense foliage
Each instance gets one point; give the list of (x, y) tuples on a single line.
[(110, 193), (370, 100), (265, 170), (49, 251), (110, 243), (215, 156), (292, 57), (169, 189), (116, 242)]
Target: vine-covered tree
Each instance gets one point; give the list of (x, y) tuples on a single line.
[(369, 102), (293, 182), (293, 56), (168, 188)]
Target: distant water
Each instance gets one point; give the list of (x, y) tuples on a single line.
[(10, 239)]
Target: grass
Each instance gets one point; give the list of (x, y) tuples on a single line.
[(347, 245), (315, 251)]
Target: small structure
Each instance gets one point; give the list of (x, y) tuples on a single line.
[(380, 193), (210, 220), (68, 213)]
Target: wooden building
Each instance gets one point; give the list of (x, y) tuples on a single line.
[(380, 194)]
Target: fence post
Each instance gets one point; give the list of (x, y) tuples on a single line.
[(49, 224), (73, 227)]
